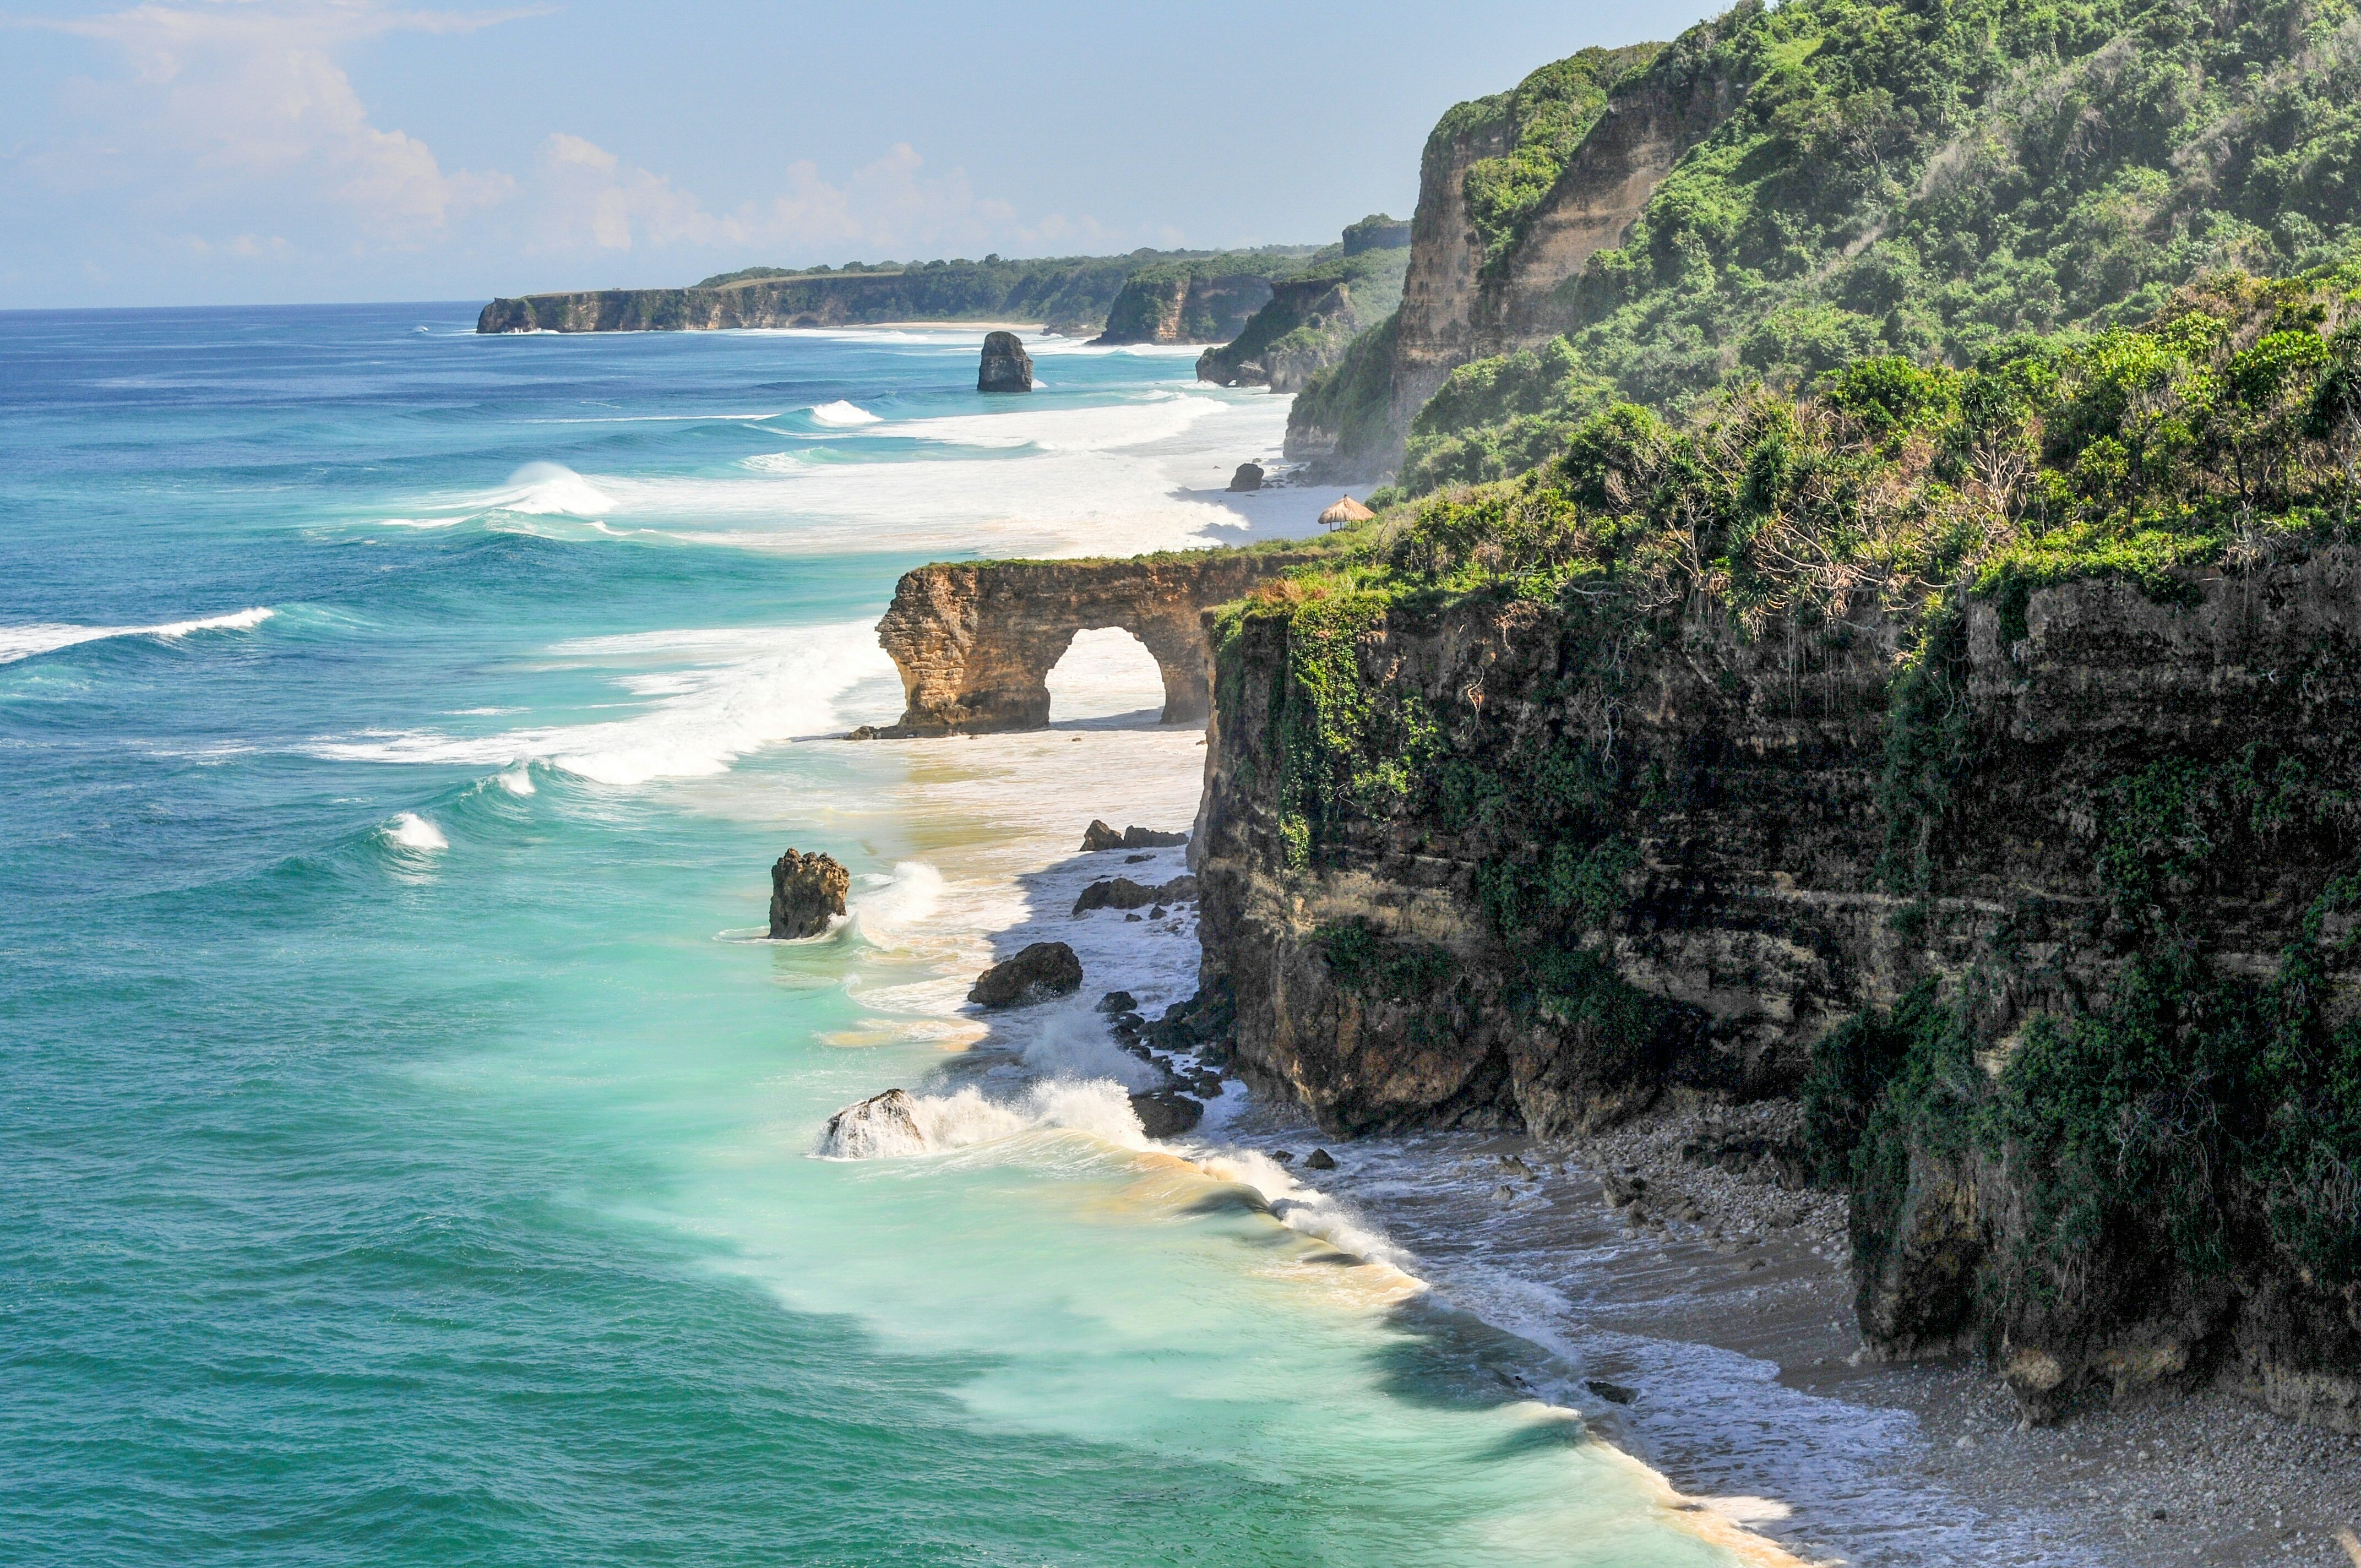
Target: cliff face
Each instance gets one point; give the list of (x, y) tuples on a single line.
[(1471, 293), (1072, 294), (1513, 863), (1309, 321), (1210, 299)]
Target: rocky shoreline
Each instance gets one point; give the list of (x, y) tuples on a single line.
[(1697, 1296)]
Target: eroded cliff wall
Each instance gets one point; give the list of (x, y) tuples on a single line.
[(1529, 864), (1469, 291)]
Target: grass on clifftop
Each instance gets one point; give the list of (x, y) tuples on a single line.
[(2228, 428)]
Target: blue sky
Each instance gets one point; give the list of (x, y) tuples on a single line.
[(228, 151)]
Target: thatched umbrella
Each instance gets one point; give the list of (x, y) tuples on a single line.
[(1344, 512)]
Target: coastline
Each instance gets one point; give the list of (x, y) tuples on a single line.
[(1721, 1303)]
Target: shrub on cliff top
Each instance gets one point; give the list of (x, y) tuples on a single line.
[(2227, 427)]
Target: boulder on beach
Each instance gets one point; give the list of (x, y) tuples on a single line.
[(806, 893), (880, 1126), (1041, 971), (1166, 1114), (1006, 367), (1247, 479)]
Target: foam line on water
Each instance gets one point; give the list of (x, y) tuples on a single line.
[(712, 696), (23, 642)]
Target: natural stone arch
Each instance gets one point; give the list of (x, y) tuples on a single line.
[(975, 642), (1105, 673)]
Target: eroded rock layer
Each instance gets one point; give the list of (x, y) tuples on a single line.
[(1575, 866)]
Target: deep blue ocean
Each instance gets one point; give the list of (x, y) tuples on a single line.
[(406, 1142)]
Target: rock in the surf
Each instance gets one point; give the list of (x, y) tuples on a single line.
[(1319, 1160), (1117, 1002), (1099, 836), (1247, 479), (1006, 367), (806, 893), (1041, 971), (878, 1128), (1166, 1114), (1122, 892)]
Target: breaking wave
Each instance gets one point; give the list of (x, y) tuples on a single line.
[(842, 414), (23, 642), (898, 1124)]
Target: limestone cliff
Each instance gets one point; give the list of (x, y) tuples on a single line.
[(1312, 315), (1574, 868), (975, 642), (1202, 300), (1488, 272)]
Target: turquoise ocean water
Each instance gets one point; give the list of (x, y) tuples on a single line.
[(405, 1148)]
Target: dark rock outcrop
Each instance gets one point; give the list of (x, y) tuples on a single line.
[(1247, 479), (1040, 973), (1167, 1113), (1006, 367), (1122, 892), (806, 893), (880, 1126), (975, 642)]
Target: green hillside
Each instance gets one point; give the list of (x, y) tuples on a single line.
[(1928, 180)]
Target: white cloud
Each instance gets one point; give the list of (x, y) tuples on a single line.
[(233, 133), (228, 96)]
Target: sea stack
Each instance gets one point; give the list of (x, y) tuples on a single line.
[(1247, 479), (1006, 367), (806, 891)]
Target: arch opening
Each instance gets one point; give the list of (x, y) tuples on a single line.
[(1105, 677)]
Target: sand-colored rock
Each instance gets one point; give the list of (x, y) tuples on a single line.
[(975, 643)]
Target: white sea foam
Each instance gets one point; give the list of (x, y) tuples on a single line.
[(552, 489), (23, 642), (773, 463), (410, 831), (969, 1118), (516, 781), (899, 903), (712, 696), (843, 415)]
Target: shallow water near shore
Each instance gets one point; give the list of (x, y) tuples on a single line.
[(409, 1140)]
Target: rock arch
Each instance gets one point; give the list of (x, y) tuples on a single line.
[(975, 642)]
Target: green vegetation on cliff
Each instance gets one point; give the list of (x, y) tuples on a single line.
[(1199, 298), (1313, 314), (2179, 1147), (1543, 119), (1928, 181)]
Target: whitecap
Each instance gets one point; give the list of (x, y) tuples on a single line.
[(23, 642), (410, 831), (552, 489), (516, 781), (843, 415)]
